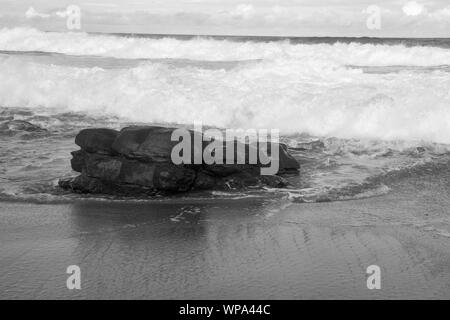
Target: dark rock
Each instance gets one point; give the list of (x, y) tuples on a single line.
[(287, 161), (137, 160), (242, 154), (173, 178), (86, 184), (161, 176), (77, 161), (204, 181), (96, 165), (139, 173), (274, 181), (239, 180), (103, 167), (116, 169), (145, 143), (224, 170), (96, 140), (151, 143)]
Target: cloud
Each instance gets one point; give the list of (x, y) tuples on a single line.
[(413, 8), (32, 13), (419, 18), (244, 11), (276, 13), (442, 13), (62, 14), (102, 5)]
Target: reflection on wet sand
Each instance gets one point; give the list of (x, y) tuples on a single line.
[(241, 249)]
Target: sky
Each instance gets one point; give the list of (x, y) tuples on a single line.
[(391, 18)]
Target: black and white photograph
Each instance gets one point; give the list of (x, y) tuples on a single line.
[(224, 150)]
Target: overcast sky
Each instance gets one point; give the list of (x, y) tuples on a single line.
[(399, 18)]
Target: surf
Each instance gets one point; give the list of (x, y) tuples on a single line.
[(341, 51), (319, 98)]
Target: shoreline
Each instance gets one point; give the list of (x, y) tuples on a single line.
[(251, 249)]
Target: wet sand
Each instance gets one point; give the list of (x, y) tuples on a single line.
[(245, 249)]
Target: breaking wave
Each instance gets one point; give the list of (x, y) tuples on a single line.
[(288, 95), (345, 90), (207, 48)]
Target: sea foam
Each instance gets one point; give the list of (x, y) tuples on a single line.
[(204, 48), (278, 85)]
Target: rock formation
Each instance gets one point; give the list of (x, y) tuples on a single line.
[(137, 161)]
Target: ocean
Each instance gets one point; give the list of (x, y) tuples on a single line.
[(368, 119), (376, 106)]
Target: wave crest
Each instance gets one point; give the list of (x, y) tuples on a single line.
[(292, 96), (292, 87), (203, 48)]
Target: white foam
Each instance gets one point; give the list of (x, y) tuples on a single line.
[(25, 39), (318, 94)]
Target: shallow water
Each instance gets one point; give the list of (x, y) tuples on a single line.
[(242, 249), (331, 168)]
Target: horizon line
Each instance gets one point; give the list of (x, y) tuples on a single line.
[(249, 36)]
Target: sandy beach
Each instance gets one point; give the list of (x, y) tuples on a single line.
[(243, 249)]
